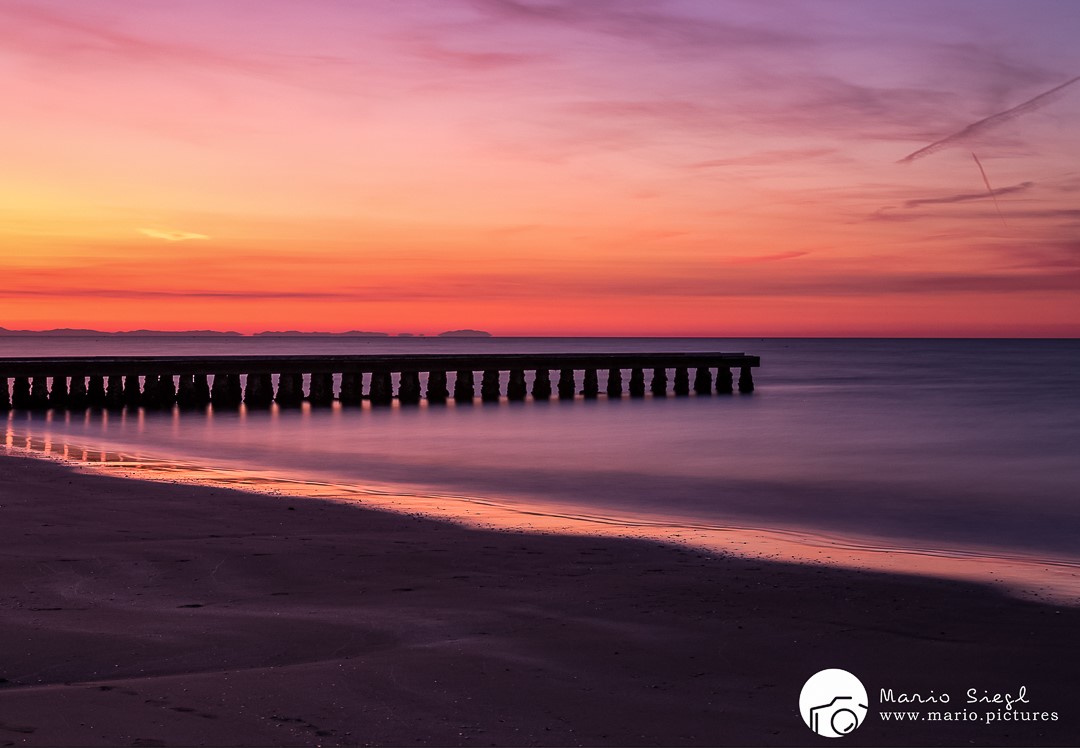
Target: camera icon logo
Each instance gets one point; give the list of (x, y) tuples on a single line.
[(833, 703)]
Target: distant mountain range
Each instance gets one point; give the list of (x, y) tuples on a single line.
[(67, 332), (465, 334), (299, 334)]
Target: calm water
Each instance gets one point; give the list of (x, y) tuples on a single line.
[(910, 450)]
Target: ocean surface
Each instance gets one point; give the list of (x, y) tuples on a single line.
[(956, 458)]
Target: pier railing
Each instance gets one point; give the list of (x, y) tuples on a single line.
[(259, 381)]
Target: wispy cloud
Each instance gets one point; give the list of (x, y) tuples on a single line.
[(70, 35), (149, 293), (989, 123), (171, 235), (775, 257), (765, 158), (969, 196), (1039, 256), (647, 22), (79, 37), (468, 60)]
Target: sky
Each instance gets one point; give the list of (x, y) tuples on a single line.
[(542, 167)]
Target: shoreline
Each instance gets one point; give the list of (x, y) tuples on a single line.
[(148, 613), (1050, 579)]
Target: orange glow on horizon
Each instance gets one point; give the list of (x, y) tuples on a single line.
[(180, 169)]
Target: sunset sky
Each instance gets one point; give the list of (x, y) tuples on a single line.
[(538, 167)]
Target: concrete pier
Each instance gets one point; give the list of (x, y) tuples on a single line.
[(162, 382), (352, 388), (166, 391), (259, 392), (591, 388), (746, 380), (95, 392), (77, 398), (77, 393), (39, 392), (542, 385), (614, 383), (659, 382), (290, 390), (436, 387), (489, 386), (114, 392), (703, 381), (723, 381), (682, 381), (515, 388), (382, 388), (566, 384), (58, 393), (409, 388), (322, 389), (464, 386), (219, 391), (151, 383), (20, 393)]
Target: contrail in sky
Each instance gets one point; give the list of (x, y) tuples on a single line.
[(990, 122), (989, 189)]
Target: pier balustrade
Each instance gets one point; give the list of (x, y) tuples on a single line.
[(226, 382)]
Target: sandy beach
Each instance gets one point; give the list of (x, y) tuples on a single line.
[(138, 613)]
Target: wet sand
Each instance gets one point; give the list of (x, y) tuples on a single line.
[(137, 613)]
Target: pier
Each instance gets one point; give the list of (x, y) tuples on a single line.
[(69, 383)]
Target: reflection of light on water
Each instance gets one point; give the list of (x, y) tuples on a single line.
[(1047, 579)]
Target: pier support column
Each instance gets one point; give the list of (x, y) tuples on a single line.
[(515, 388), (746, 379), (591, 386), (322, 389), (290, 390), (5, 400), (464, 387), (352, 388), (409, 387), (659, 382), (39, 393), (436, 387), (58, 395), (166, 391), (114, 394), (150, 391), (637, 383), (489, 386), (95, 391), (703, 381), (132, 394), (20, 393), (682, 381), (542, 385), (226, 391), (382, 388), (185, 392), (723, 381), (202, 390), (219, 391), (566, 384), (259, 392), (614, 383), (236, 392)]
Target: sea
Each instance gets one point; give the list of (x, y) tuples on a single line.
[(949, 458)]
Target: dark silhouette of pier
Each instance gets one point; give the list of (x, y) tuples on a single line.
[(258, 381)]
